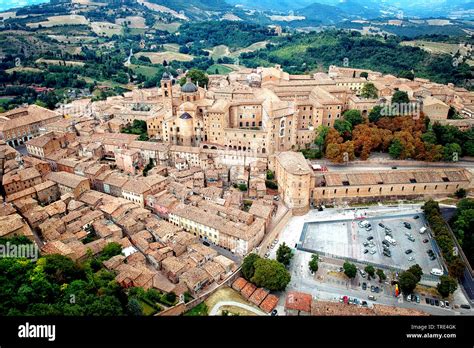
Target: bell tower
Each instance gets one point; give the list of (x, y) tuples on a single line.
[(167, 89)]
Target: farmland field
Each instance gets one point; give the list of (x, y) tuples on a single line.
[(169, 27), (147, 71), (433, 47), (61, 20), (59, 62), (106, 28), (159, 57), (221, 69), (132, 21)]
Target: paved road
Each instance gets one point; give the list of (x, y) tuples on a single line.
[(218, 306)]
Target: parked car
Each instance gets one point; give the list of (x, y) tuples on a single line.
[(368, 229), (465, 306), (372, 298), (274, 312), (427, 300), (364, 286), (372, 288), (387, 253), (416, 217), (432, 257), (417, 298), (370, 237), (425, 240), (411, 239), (372, 251), (408, 251), (436, 302), (365, 244), (430, 252), (385, 243), (408, 298), (432, 301), (411, 258), (267, 255), (441, 304), (382, 225), (366, 251), (377, 289), (206, 243), (364, 303), (388, 229), (446, 304)]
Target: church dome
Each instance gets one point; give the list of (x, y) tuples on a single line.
[(185, 116), (189, 87)]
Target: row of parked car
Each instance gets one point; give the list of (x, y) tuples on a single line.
[(436, 302)]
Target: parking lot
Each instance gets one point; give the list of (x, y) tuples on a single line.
[(347, 239)]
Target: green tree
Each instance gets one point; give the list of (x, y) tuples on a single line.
[(284, 254), (407, 282), (364, 74), (461, 193), (407, 74), (350, 269), (396, 149), (370, 271), (270, 175), (248, 267), (381, 275), (313, 263), (270, 274), (321, 133), (400, 97), (197, 76), (417, 271), (451, 151), (375, 114), (110, 250), (242, 187), (446, 286), (134, 308), (342, 126), (369, 91), (354, 117)]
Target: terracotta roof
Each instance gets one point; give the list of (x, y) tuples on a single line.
[(248, 290), (298, 301), (239, 284), (258, 296), (269, 303)]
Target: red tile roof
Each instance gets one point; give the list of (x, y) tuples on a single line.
[(298, 301), (269, 303), (248, 290), (239, 284), (258, 296)]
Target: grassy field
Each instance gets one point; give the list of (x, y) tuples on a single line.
[(169, 27), (132, 21), (253, 47), (199, 311), (147, 71), (61, 20), (21, 68), (59, 62), (106, 29), (432, 47), (171, 47), (72, 39), (221, 69), (224, 51), (219, 52), (159, 57), (147, 309)]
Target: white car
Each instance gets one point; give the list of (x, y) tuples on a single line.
[(411, 258), (372, 251)]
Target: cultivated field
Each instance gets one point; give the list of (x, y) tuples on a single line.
[(169, 27), (71, 39), (224, 51), (132, 22), (159, 57), (433, 47), (106, 28), (61, 20), (58, 62), (147, 71), (22, 69)]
